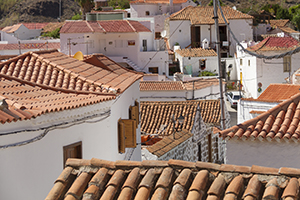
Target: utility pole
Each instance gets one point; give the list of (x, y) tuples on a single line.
[(219, 64), (69, 45)]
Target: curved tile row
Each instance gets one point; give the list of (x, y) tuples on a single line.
[(173, 179)]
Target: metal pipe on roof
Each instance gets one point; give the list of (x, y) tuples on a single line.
[(222, 103)]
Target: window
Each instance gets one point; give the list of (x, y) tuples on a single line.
[(248, 62), (147, 13), (126, 134), (209, 148), (72, 151), (287, 63), (153, 70), (157, 35), (134, 112), (144, 45), (128, 15), (241, 61), (202, 64)]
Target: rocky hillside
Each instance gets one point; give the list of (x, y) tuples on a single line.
[(36, 11)]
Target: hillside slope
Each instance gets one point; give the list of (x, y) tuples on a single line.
[(36, 11)]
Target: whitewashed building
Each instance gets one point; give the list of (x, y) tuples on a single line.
[(270, 139), (191, 25), (54, 107), (257, 74), (124, 41), (20, 32)]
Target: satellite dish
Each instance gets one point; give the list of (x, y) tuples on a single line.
[(78, 55), (163, 33)]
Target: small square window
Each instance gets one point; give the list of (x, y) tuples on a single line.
[(157, 35), (72, 151), (147, 13), (248, 62), (153, 70), (241, 61)]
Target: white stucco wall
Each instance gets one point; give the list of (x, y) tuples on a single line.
[(269, 154), (242, 29), (37, 165), (179, 31), (245, 107)]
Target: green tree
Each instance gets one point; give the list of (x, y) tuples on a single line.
[(53, 34), (86, 6), (283, 13), (295, 13), (122, 4)]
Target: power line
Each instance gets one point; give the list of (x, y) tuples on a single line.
[(252, 53)]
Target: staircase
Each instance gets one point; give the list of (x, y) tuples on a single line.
[(134, 66)]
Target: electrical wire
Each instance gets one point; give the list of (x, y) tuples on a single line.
[(252, 53), (53, 127), (162, 45)]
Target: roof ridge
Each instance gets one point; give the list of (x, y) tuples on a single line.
[(88, 24), (54, 88), (98, 22), (131, 26)]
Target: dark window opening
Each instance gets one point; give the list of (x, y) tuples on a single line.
[(72, 151)]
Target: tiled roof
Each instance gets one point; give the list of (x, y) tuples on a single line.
[(52, 26), (174, 179), (107, 26), (279, 22), (168, 143), (161, 85), (275, 44), (11, 29), (196, 52), (157, 1), (287, 30), (276, 93), (55, 69), (35, 25), (24, 99), (154, 114), (204, 14), (52, 45), (280, 123), (201, 83), (177, 85)]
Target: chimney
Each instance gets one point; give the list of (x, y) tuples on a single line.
[(171, 6)]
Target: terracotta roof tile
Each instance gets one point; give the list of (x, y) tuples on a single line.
[(204, 14), (280, 123), (154, 114), (107, 26), (275, 44), (43, 46), (160, 148), (35, 25), (287, 30), (48, 81), (177, 85), (11, 29), (176, 180), (279, 22), (196, 52)]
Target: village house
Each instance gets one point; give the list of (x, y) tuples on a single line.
[(128, 42), (274, 94), (254, 141), (257, 74), (54, 107), (192, 140), (201, 88), (190, 26), (174, 179)]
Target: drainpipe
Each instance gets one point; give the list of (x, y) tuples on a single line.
[(219, 64)]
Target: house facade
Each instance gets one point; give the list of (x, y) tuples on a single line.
[(21, 32), (257, 74), (124, 41), (54, 107), (276, 130), (191, 25)]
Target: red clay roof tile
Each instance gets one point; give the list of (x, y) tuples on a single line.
[(107, 26), (177, 180), (275, 44)]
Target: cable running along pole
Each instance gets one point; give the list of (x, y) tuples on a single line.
[(219, 64)]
